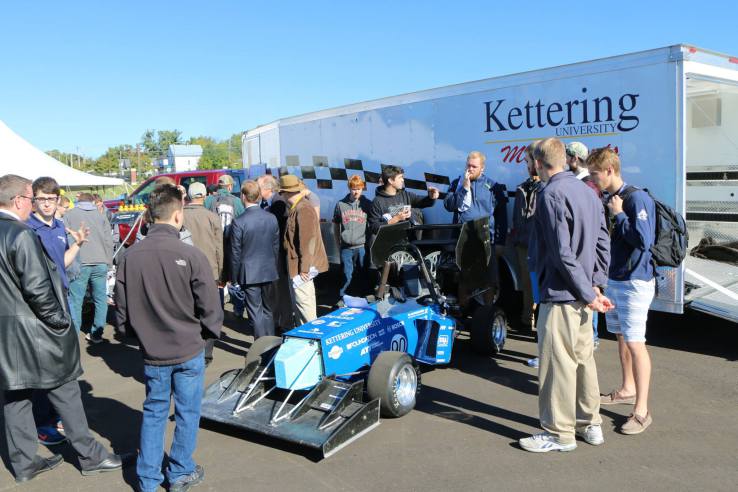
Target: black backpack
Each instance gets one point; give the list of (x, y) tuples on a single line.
[(670, 241)]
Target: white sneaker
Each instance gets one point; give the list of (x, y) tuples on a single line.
[(592, 434), (545, 442)]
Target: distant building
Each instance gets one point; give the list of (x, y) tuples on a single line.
[(161, 164), (184, 157)]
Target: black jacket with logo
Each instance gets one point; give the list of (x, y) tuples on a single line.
[(166, 294)]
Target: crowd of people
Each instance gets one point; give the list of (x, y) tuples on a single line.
[(581, 235)]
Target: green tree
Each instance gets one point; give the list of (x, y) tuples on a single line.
[(214, 156), (156, 142)]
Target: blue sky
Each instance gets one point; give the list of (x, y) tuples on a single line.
[(90, 75)]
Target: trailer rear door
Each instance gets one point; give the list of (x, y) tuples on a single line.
[(711, 123)]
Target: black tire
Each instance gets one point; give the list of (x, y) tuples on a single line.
[(261, 346), (488, 330), (395, 380)]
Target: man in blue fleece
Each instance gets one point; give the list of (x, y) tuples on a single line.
[(472, 196), (631, 283)]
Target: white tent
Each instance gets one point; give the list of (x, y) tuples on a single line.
[(17, 156)]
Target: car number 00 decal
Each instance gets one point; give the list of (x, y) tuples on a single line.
[(399, 343)]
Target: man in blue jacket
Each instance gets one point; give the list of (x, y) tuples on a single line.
[(571, 255), (631, 283), (473, 196)]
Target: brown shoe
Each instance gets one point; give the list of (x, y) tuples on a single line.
[(615, 398), (636, 424)]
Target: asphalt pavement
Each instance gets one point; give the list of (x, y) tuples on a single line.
[(463, 433)]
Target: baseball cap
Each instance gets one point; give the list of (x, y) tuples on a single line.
[(577, 149), (196, 190), (225, 179)]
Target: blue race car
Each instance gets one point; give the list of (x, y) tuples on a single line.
[(325, 383)]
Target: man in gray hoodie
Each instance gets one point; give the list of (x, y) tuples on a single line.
[(95, 259), (350, 229)]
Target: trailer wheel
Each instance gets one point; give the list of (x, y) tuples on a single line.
[(261, 346), (395, 380), (488, 330)]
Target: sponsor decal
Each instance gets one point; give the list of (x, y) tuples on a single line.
[(335, 352), (443, 341), (335, 324), (372, 346), (352, 311), (440, 352), (319, 322), (415, 314), (354, 331)]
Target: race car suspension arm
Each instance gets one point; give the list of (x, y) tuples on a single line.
[(242, 401)]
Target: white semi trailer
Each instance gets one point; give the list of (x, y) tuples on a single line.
[(671, 113)]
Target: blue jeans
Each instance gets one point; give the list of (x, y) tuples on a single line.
[(186, 382), (595, 319), (348, 257), (96, 275)]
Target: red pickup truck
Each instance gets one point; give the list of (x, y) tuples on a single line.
[(123, 222), (205, 176)]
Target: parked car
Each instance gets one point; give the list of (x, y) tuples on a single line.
[(204, 176)]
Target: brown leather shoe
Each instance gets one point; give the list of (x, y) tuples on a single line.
[(616, 398), (636, 424)]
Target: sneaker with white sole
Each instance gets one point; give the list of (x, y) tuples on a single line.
[(592, 434), (545, 442)]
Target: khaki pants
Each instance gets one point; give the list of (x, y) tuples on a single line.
[(526, 316), (568, 392), (305, 306)]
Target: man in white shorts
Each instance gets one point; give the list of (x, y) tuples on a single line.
[(631, 284)]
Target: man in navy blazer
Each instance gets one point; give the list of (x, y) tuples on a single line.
[(254, 253)]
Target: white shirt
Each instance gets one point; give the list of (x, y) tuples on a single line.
[(8, 212)]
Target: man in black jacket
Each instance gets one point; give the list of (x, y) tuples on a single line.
[(36, 319), (279, 290), (166, 294), (254, 250), (392, 203)]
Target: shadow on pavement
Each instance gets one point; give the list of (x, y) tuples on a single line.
[(452, 406), (694, 332), (121, 358)]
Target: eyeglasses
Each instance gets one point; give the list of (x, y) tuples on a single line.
[(24, 196), (43, 201)]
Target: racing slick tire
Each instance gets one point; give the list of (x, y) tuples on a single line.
[(395, 380), (261, 346), (488, 330)]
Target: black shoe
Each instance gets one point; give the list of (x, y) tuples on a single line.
[(188, 481), (41, 465), (94, 338), (111, 463)]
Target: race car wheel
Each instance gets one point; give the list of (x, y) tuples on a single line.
[(261, 346), (489, 330), (395, 380)]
